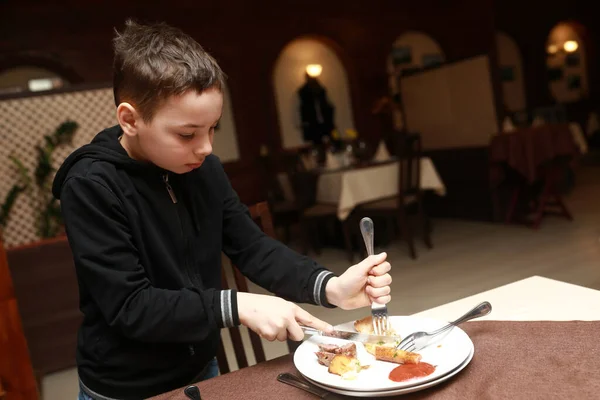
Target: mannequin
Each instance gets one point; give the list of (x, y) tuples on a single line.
[(316, 111)]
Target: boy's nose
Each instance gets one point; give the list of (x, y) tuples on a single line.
[(204, 149)]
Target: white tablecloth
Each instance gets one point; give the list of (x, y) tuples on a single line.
[(532, 299), (348, 188)]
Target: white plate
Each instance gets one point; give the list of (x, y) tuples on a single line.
[(446, 354), (389, 393)]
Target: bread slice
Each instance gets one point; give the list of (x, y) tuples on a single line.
[(391, 354)]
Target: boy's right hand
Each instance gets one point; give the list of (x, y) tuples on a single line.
[(275, 318)]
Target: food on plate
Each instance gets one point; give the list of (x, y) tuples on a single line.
[(324, 357), (406, 372), (365, 325), (388, 352), (345, 366), (340, 360), (391, 354), (371, 347), (348, 349), (328, 351)]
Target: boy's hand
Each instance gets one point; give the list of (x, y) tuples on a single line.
[(274, 318), (361, 284)]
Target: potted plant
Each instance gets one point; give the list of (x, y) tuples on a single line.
[(39, 185)]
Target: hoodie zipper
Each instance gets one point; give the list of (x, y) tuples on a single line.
[(180, 223), (169, 188), (191, 348)]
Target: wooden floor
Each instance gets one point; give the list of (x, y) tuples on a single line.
[(468, 258)]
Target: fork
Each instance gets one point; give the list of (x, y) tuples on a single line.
[(381, 323), (419, 340)]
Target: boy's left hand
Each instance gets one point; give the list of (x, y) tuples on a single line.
[(361, 284)]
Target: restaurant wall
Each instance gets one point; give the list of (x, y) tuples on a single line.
[(27, 120), (247, 39)]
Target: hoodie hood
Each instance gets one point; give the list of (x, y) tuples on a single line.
[(106, 147)]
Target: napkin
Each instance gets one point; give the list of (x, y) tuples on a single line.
[(332, 161), (381, 154), (308, 161)]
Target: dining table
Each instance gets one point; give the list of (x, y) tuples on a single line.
[(348, 187), (539, 342)]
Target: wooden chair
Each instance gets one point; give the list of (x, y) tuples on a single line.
[(410, 196), (46, 285), (261, 215), (549, 201), (316, 217), (17, 379), (284, 205), (287, 173)]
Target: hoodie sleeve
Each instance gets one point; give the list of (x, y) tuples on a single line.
[(266, 261), (111, 277)]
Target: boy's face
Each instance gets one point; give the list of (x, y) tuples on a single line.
[(180, 135)]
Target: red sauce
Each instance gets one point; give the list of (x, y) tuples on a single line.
[(405, 372)]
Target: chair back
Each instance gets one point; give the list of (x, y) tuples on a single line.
[(261, 214), (17, 379)]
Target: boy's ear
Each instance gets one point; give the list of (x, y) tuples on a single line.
[(129, 119)]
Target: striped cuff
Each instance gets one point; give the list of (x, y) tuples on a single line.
[(319, 295), (229, 309)]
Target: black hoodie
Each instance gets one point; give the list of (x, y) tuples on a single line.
[(147, 248)]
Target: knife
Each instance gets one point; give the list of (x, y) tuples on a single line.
[(353, 336), (300, 383)]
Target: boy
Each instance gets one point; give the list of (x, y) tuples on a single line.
[(148, 211)]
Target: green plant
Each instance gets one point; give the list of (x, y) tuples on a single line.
[(49, 219)]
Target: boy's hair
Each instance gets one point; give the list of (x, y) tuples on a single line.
[(153, 62)]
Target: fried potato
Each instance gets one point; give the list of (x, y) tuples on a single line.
[(345, 366)]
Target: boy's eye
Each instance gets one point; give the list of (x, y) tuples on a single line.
[(186, 136)]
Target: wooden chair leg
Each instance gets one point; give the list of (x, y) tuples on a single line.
[(550, 192), (512, 205), (347, 230), (238, 346), (389, 226), (563, 207), (553, 180), (222, 358), (424, 224), (408, 233), (539, 214)]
